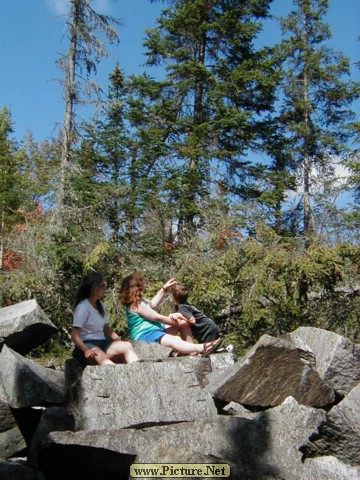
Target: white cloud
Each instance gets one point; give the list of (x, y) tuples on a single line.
[(62, 7), (341, 173), (339, 179), (59, 7)]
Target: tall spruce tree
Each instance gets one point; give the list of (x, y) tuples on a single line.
[(217, 87), (123, 160), (317, 95)]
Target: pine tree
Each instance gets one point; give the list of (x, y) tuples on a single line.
[(122, 160), (317, 95), (217, 87)]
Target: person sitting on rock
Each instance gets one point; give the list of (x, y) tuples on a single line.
[(146, 324), (202, 327), (94, 340)]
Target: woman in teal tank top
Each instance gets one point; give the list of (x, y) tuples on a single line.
[(148, 325)]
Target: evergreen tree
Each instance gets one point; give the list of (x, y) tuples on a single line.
[(217, 87), (317, 95), (122, 161)]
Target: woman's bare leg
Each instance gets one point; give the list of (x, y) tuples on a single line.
[(177, 343), (185, 332), (119, 347)]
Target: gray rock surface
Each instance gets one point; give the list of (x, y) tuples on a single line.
[(201, 366), (117, 396), (24, 326), (339, 435), (186, 461), (161, 410), (238, 410), (153, 352), (328, 468), (287, 427), (271, 371), (237, 440), (265, 447), (337, 359), (7, 420), (27, 383), (11, 439), (221, 360), (11, 443)]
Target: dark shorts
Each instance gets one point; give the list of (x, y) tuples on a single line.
[(102, 344), (154, 336)]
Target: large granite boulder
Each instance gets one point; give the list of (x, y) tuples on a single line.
[(267, 446), (28, 384), (337, 359), (24, 326), (116, 396), (271, 371), (339, 434), (162, 411)]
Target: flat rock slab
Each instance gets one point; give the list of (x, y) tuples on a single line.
[(24, 326), (267, 446), (28, 384), (337, 359), (116, 396), (271, 371)]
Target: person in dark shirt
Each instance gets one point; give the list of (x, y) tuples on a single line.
[(203, 328)]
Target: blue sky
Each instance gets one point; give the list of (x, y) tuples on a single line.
[(32, 39)]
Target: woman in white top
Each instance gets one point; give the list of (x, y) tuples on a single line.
[(95, 342)]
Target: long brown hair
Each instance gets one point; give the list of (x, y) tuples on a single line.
[(132, 289), (87, 287)]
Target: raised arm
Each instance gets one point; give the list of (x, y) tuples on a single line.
[(154, 302)]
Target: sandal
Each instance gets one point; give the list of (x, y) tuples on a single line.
[(210, 347)]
